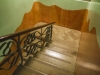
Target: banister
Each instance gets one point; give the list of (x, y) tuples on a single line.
[(2, 38), (13, 45)]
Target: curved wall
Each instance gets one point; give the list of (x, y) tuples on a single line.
[(94, 16), (12, 12)]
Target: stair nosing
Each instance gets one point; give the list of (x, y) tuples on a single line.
[(55, 57), (64, 56), (59, 52), (64, 46), (69, 49)]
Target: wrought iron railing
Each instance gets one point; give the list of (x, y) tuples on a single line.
[(29, 41)]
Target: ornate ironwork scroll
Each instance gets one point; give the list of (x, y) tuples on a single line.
[(11, 48)]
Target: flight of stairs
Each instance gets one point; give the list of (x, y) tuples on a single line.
[(57, 58)]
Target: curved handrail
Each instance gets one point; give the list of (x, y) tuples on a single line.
[(15, 44), (2, 38)]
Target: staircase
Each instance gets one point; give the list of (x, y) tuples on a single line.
[(57, 58)]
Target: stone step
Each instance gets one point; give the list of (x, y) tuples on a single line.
[(64, 45), (68, 66), (24, 70), (60, 49), (45, 67), (67, 58), (57, 50), (66, 41)]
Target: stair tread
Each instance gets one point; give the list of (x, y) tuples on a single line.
[(23, 70), (64, 45), (65, 65), (54, 54), (53, 50), (55, 39), (45, 67), (61, 50)]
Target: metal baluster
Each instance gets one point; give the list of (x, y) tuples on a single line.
[(19, 49)]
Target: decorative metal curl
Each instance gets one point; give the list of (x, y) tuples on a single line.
[(10, 57), (31, 43)]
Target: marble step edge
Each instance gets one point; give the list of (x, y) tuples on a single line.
[(68, 42), (64, 42), (29, 69), (46, 55), (47, 63), (58, 52), (64, 46), (59, 55), (60, 47), (64, 52), (68, 62), (54, 57)]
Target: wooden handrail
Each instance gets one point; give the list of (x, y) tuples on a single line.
[(16, 46), (2, 38)]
